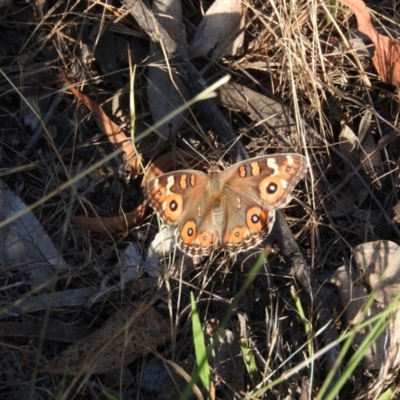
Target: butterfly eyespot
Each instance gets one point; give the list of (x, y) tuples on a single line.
[(188, 233), (272, 188), (288, 168), (255, 218), (173, 205)]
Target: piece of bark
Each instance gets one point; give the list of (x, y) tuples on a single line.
[(166, 91)]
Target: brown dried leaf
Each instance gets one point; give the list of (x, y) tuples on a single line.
[(113, 132), (120, 224), (128, 334), (386, 57)]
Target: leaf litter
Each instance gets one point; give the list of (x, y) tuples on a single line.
[(294, 84)]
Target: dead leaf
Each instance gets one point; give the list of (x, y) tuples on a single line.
[(128, 334), (373, 261), (24, 245), (386, 57), (221, 31), (121, 224), (113, 132), (131, 270)]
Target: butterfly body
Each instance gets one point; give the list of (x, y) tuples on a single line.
[(229, 210)]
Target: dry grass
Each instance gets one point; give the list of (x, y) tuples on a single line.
[(295, 51)]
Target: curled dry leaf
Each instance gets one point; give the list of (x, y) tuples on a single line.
[(113, 132), (128, 334), (386, 56), (374, 261), (220, 32), (120, 224)]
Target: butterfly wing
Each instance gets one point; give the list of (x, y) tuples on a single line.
[(181, 200), (254, 189)]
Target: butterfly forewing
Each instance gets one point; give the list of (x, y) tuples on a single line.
[(171, 195), (269, 180)]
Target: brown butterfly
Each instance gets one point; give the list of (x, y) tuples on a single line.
[(229, 210)]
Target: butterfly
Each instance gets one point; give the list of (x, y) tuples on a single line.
[(230, 210)]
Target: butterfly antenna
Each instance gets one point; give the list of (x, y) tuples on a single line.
[(230, 147)]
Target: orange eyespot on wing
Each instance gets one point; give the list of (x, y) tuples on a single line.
[(237, 235), (272, 189), (205, 239), (172, 208), (196, 244), (188, 233), (287, 171), (256, 219)]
